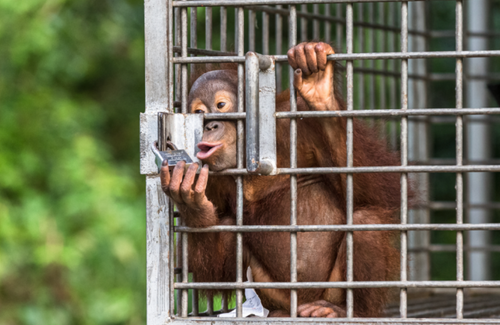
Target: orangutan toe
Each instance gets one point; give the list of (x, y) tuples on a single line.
[(320, 308)]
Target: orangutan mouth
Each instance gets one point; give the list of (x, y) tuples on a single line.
[(207, 149)]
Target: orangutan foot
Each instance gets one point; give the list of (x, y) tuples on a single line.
[(321, 308)]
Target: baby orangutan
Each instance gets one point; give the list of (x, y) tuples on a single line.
[(321, 142)]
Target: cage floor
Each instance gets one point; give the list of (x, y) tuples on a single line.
[(444, 306)]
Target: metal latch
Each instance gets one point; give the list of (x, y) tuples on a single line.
[(178, 136), (260, 109)]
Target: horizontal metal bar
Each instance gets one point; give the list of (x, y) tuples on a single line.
[(378, 169), (364, 113), (389, 112), (313, 320), (228, 3), (392, 169), (353, 56), (343, 285), (330, 228)]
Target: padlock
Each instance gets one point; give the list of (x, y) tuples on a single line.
[(172, 155), (178, 136)]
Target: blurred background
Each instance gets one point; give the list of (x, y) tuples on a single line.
[(72, 207)]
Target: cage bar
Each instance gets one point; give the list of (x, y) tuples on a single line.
[(361, 77), (223, 29), (265, 33), (208, 28), (355, 56), (240, 151), (278, 40), (403, 304), (459, 155), (293, 164), (382, 82), (239, 3), (252, 18), (478, 137), (374, 227), (349, 147)]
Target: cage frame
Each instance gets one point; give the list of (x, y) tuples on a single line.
[(166, 33)]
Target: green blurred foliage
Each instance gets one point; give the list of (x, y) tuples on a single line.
[(72, 224)]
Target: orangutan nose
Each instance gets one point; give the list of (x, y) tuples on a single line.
[(212, 126)]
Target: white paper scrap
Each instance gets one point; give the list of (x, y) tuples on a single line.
[(252, 306)]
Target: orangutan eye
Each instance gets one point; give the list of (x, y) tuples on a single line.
[(199, 111), (221, 105)]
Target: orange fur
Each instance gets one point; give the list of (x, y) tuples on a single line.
[(321, 201)]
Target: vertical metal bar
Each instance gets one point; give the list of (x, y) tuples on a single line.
[(184, 94), (293, 164), (459, 153), (193, 28), (361, 76), (210, 305), (252, 110), (159, 230), (184, 53), (316, 23), (236, 29), (279, 45), (223, 29), (170, 42), (392, 67), (172, 255), (371, 63), (251, 30), (177, 26), (240, 149), (479, 146), (185, 274), (339, 27), (194, 299), (404, 158), (208, 28), (265, 33), (303, 24), (349, 194), (383, 79), (328, 26)]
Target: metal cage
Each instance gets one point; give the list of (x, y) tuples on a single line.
[(412, 69)]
